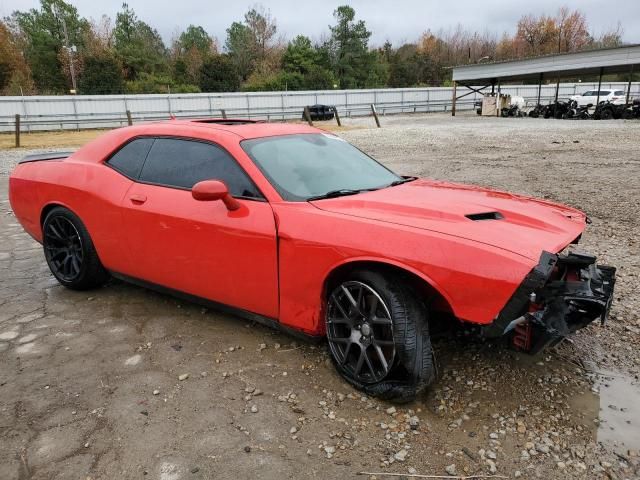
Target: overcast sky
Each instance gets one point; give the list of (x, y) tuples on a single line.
[(398, 21)]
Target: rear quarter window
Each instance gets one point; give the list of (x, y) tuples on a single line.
[(130, 158)]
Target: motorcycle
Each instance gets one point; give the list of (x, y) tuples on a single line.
[(556, 109), (575, 112), (512, 111), (632, 110), (606, 110), (537, 111)]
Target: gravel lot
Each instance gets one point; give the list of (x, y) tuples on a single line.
[(90, 383)]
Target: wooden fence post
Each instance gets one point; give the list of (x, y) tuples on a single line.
[(17, 130), (375, 114), (335, 112), (454, 99), (307, 116), (129, 119)]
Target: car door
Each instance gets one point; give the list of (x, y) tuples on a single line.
[(200, 247)]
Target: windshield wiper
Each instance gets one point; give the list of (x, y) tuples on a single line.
[(400, 182), (335, 193), (343, 192)]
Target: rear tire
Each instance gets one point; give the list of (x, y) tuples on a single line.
[(69, 251), (382, 319), (606, 115)]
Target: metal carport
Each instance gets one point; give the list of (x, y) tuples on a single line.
[(590, 62)]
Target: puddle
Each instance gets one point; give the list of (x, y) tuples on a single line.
[(619, 410)]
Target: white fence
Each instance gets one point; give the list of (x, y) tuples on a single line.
[(99, 111)]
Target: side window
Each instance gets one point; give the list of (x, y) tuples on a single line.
[(183, 163), (130, 158)]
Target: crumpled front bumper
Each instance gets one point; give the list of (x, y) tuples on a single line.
[(562, 294)]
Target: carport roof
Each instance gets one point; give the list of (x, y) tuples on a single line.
[(613, 60)]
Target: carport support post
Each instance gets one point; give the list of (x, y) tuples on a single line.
[(539, 88), (17, 130), (557, 89), (629, 84), (223, 113), (599, 85), (129, 120), (453, 100)]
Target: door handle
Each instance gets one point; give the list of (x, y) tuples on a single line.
[(138, 199)]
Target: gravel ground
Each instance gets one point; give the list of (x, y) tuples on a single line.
[(92, 385)]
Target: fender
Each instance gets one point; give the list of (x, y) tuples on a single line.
[(386, 261)]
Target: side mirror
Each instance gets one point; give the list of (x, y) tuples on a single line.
[(209, 190)]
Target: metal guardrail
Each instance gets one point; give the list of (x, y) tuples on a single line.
[(97, 120), (58, 121), (109, 111), (95, 111)]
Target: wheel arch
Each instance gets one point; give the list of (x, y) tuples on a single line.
[(53, 204), (50, 206), (433, 296)]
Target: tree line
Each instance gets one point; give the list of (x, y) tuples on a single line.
[(52, 49)]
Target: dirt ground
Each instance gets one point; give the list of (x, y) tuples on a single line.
[(49, 139), (90, 383)]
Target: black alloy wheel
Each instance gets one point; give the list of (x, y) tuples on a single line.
[(63, 248), (70, 252), (378, 333), (360, 332)]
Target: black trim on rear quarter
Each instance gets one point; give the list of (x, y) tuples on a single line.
[(39, 157)]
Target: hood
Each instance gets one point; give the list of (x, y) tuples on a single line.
[(522, 225)]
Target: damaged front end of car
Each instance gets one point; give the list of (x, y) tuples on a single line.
[(563, 293)]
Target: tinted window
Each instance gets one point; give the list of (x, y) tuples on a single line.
[(130, 158), (183, 163), (604, 93), (589, 93), (619, 92)]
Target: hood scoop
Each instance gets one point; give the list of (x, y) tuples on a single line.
[(485, 216)]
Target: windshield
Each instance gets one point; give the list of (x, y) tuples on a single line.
[(311, 165)]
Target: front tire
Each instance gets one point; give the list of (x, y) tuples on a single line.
[(69, 251), (378, 335)]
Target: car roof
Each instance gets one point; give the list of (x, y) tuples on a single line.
[(206, 129), (246, 128)]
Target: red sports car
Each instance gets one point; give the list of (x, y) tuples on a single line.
[(294, 227)]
